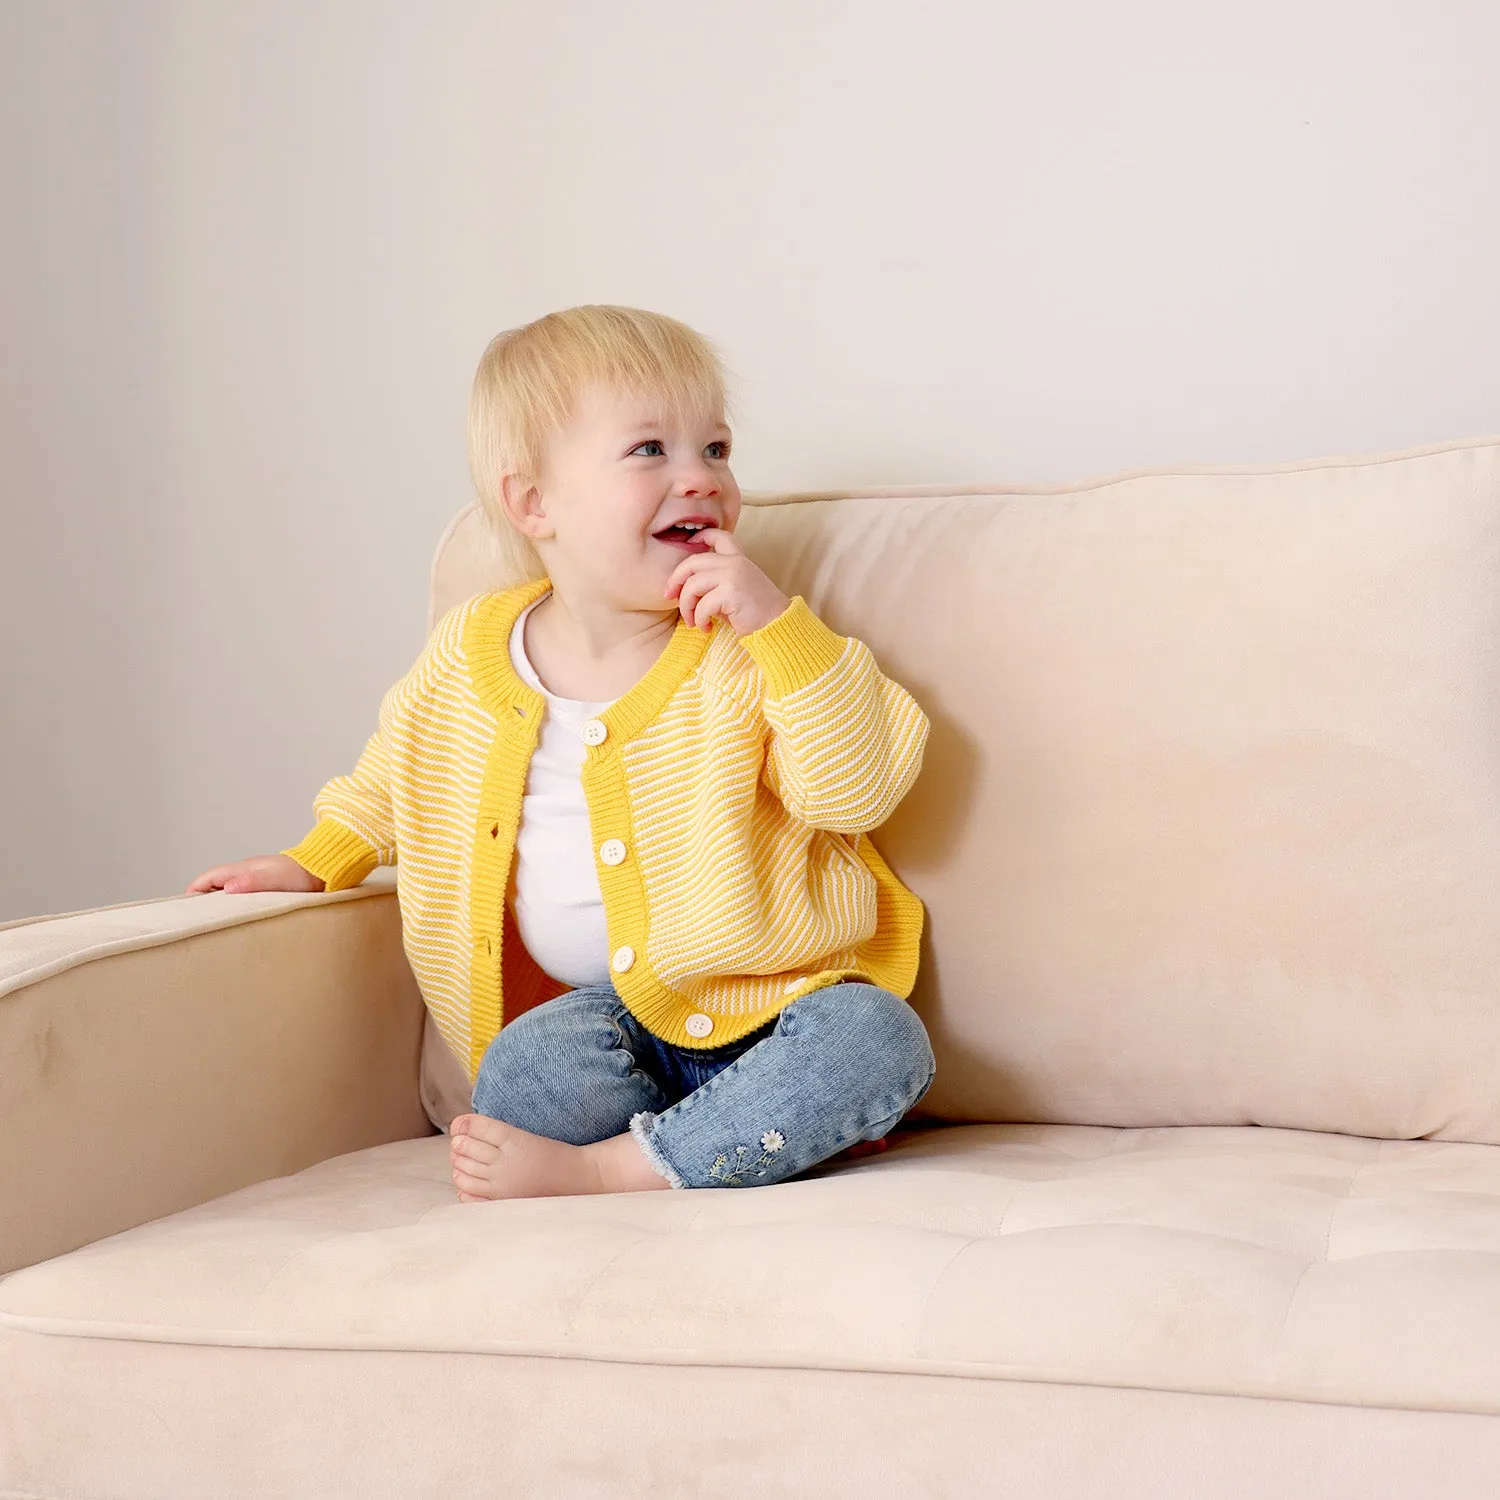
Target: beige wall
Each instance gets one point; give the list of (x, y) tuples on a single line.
[(253, 250)]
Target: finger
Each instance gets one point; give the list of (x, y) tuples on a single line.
[(721, 541), (209, 880), (712, 603), (692, 591), (690, 588), (695, 562)]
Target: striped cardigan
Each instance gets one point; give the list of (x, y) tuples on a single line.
[(731, 794)]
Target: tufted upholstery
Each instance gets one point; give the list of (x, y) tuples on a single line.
[(1241, 1260)]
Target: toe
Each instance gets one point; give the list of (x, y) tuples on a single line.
[(473, 1149), (482, 1128), (465, 1183)]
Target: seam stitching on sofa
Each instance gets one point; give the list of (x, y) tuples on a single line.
[(1333, 1214), (136, 943), (599, 1275), (919, 1332), (1005, 1212), (759, 499), (296, 1255)]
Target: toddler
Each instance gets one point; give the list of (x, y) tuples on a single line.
[(629, 801)]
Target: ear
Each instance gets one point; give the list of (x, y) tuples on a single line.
[(521, 501)]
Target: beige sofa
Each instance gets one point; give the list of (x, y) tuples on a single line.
[(1209, 840)]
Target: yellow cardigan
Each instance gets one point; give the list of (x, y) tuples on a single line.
[(730, 792)]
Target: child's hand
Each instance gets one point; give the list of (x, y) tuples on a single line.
[(725, 582), (266, 872)]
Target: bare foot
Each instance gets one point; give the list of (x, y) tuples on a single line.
[(491, 1159)]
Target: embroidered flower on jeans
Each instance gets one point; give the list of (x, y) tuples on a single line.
[(733, 1174)]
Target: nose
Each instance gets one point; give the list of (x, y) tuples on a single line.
[(697, 481)]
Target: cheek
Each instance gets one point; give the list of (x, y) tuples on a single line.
[(642, 503), (617, 514)]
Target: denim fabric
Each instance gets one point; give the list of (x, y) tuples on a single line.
[(839, 1065)]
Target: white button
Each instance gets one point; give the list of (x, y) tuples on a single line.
[(698, 1024), (792, 986), (623, 958), (595, 732), (612, 852)]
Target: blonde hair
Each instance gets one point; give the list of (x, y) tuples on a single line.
[(529, 380)]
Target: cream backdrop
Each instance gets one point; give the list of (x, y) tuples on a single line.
[(252, 251)]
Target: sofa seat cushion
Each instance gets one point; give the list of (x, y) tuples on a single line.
[(1228, 1260)]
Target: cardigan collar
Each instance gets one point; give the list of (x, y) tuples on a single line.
[(512, 701)]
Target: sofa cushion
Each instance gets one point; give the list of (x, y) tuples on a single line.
[(104, 1419), (1209, 826), (1213, 1260)]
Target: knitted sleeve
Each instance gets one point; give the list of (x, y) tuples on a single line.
[(845, 742), (356, 829)]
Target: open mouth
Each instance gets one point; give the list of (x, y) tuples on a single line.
[(684, 534)]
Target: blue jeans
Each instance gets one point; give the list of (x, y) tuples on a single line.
[(839, 1065)]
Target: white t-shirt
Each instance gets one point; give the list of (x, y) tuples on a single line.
[(554, 889)]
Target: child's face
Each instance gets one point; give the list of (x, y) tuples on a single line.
[(616, 482)]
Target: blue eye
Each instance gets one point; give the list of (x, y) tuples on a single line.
[(717, 450), (640, 448)]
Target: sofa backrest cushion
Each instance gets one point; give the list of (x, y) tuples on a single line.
[(1208, 830)]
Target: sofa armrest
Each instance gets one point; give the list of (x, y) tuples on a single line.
[(156, 1055)]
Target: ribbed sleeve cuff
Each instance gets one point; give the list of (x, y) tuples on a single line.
[(796, 648), (337, 857)]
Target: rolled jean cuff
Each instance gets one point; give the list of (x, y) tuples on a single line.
[(640, 1128)]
